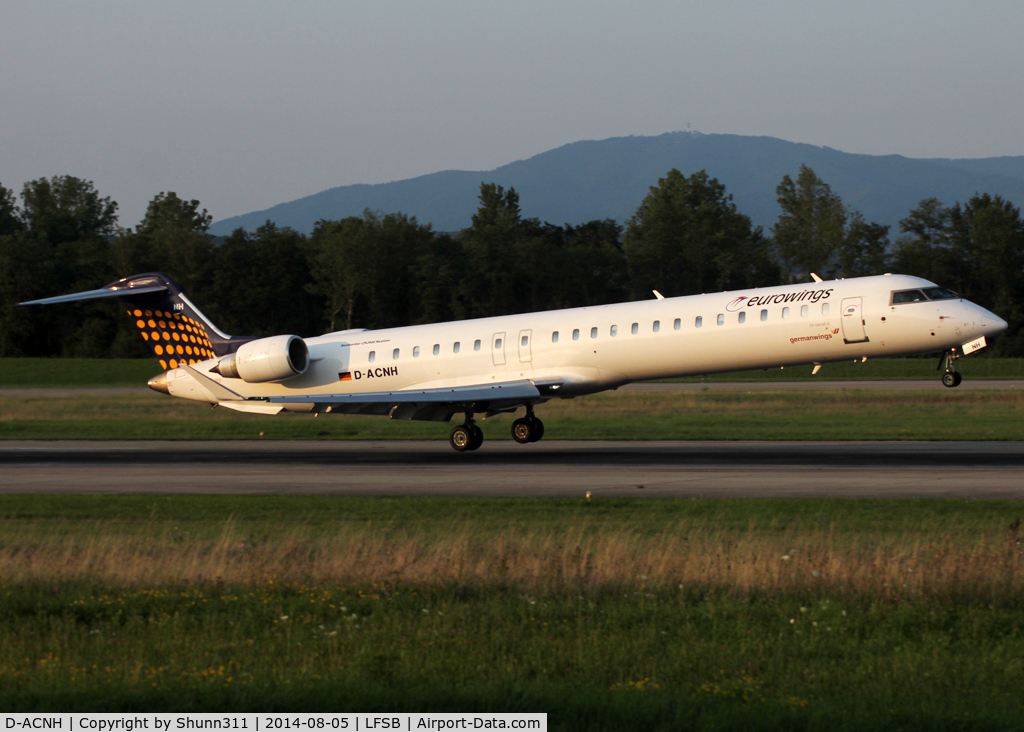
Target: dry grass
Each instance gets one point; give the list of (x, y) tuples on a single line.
[(626, 614), (545, 560)]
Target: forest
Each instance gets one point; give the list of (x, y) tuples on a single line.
[(388, 269)]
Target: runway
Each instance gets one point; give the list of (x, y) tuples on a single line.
[(504, 468)]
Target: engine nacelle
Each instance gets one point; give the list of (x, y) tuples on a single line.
[(267, 359)]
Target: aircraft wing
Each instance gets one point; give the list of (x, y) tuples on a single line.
[(425, 404)]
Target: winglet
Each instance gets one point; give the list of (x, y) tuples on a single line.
[(816, 278), (658, 295)]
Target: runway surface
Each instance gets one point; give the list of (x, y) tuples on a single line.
[(504, 468)]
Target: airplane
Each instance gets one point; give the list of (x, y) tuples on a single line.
[(497, 365)]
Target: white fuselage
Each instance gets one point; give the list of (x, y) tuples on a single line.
[(596, 348)]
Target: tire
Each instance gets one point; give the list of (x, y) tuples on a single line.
[(478, 438), (538, 430), (461, 438), (959, 378), (523, 430), (949, 379)]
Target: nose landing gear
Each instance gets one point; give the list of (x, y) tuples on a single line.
[(948, 361)]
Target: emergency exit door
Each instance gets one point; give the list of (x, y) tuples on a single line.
[(498, 349)]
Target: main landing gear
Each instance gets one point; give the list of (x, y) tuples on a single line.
[(466, 437), (952, 377), (528, 428)]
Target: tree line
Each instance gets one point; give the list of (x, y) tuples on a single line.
[(387, 269)]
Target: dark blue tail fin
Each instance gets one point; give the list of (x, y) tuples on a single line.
[(175, 329)]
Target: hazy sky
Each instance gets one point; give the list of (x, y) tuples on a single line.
[(247, 104)]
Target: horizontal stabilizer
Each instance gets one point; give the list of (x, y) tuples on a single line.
[(102, 293)]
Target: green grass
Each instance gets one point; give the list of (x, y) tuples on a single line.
[(76, 372), (95, 372), (140, 603), (847, 414), (206, 514), (882, 369)]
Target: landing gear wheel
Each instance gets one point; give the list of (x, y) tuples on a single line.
[(461, 438), (538, 430), (527, 429), (466, 437), (523, 430), (478, 437), (951, 378)]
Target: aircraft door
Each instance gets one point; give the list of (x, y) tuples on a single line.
[(853, 320), (525, 352), (498, 349)]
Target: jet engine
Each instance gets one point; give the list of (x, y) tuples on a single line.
[(267, 359)]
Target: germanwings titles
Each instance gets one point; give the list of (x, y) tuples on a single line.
[(498, 365)]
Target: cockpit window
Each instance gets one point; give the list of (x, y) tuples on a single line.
[(908, 296), (939, 293)]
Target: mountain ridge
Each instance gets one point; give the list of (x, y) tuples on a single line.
[(597, 179)]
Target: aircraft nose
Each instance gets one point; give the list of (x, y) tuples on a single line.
[(159, 383), (988, 321)]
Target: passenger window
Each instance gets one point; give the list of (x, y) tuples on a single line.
[(554, 337), (803, 311), (456, 347), (677, 324), (721, 318), (373, 356), (635, 328), (576, 334), (394, 354), (743, 317), (698, 322), (824, 309), (415, 351), (437, 348), (785, 313), (764, 315), (524, 340), (476, 345), (657, 326), (614, 330), (593, 332)]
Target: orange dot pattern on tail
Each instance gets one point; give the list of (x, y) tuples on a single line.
[(176, 339)]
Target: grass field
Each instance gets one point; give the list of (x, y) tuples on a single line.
[(80, 372), (763, 415), (621, 614), (76, 372), (703, 614)]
